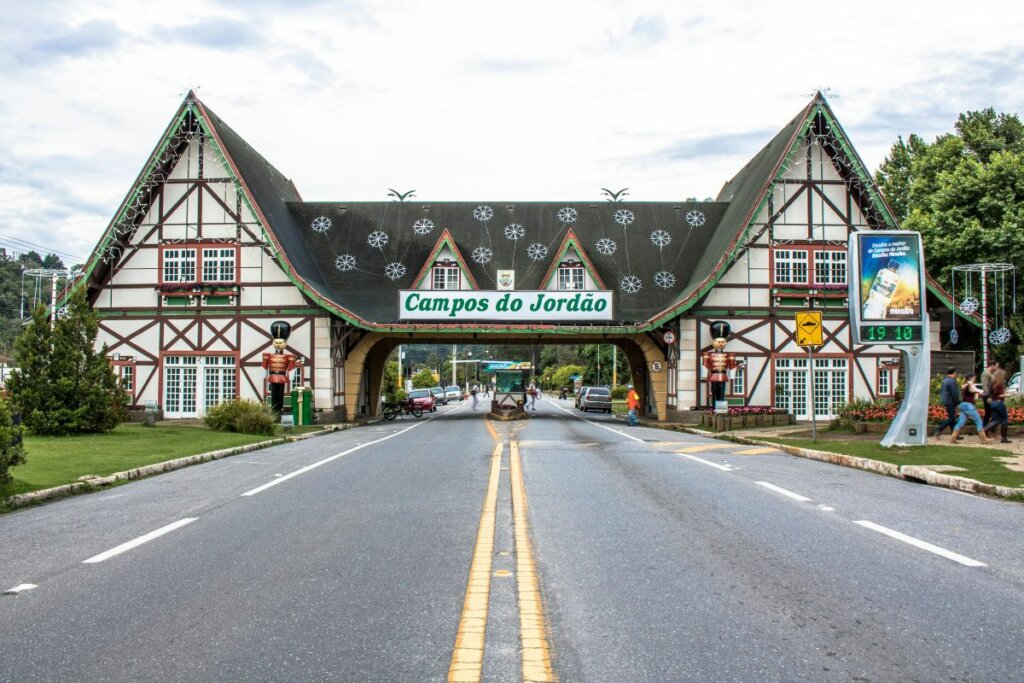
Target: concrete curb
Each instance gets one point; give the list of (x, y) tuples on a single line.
[(95, 483), (914, 473)]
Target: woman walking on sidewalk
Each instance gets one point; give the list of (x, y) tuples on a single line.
[(997, 410), (968, 396)]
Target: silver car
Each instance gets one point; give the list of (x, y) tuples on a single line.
[(596, 398)]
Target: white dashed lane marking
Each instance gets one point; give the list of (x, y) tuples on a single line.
[(918, 543)]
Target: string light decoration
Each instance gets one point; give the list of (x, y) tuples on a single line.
[(988, 290)]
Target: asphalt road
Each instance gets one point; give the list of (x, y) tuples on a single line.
[(652, 556)]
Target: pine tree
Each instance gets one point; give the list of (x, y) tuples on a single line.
[(63, 385)]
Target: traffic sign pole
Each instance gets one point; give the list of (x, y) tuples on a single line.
[(814, 409)]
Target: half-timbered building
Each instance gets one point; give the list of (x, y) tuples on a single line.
[(213, 243)]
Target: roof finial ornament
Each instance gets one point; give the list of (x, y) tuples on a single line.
[(614, 196), (399, 196), (821, 92)]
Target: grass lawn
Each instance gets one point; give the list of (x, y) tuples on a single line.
[(55, 460), (982, 464)]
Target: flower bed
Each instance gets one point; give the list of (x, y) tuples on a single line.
[(745, 416), (885, 412)]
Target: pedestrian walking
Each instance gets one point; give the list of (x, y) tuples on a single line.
[(950, 397), (968, 410), (531, 396), (632, 404), (987, 375), (997, 410), (473, 392)]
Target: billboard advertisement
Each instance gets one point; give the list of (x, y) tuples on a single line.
[(890, 271)]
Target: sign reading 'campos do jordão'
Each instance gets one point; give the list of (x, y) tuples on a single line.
[(545, 305)]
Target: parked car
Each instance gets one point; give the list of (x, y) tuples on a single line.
[(1013, 385), (596, 398), (424, 399), (439, 395), (579, 395), (453, 393)]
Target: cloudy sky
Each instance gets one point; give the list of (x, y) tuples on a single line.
[(518, 100)]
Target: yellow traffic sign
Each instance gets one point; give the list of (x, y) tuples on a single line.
[(808, 328)]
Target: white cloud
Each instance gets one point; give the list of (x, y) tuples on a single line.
[(467, 100)]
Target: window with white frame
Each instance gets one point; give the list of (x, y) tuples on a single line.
[(790, 266), (738, 383), (570, 275), (793, 384), (179, 265), (884, 382), (219, 265), (830, 267), (446, 275), (128, 378)]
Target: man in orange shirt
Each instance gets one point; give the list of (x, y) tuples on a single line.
[(633, 403)]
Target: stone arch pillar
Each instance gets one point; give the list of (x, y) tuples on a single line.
[(370, 355), (643, 353)]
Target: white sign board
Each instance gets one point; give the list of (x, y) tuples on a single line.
[(547, 305)]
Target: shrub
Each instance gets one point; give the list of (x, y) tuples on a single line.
[(12, 452), (619, 392), (244, 416)]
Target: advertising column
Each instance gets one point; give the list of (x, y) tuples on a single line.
[(887, 307)]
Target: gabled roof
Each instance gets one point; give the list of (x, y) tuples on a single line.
[(572, 242), (445, 240), (351, 258)]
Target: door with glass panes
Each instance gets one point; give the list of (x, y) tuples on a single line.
[(793, 386), (194, 384)]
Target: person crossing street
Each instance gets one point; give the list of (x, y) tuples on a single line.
[(633, 404)]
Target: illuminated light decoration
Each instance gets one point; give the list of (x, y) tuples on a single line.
[(606, 246), (954, 337), (999, 336), (969, 305), (630, 284), (378, 239), (695, 218), (345, 262), (664, 279), (624, 217), (515, 231), (568, 215), (483, 255), (394, 270), (423, 226), (483, 213), (321, 224), (536, 251), (660, 238)]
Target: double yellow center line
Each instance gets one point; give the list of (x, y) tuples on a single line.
[(468, 654)]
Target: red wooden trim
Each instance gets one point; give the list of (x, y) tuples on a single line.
[(199, 246), (571, 239), (428, 265)]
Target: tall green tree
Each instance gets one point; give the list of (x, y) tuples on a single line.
[(964, 193), (63, 385)]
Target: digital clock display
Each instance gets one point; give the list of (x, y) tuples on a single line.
[(891, 334)]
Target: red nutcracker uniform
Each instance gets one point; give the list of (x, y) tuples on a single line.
[(278, 364), (718, 362)]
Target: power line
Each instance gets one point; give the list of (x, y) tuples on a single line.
[(57, 252)]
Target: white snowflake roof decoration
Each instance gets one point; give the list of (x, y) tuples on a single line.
[(423, 226), (624, 217), (606, 246), (568, 215), (660, 238), (345, 262), (378, 239), (630, 284), (483, 213), (954, 337), (514, 231), (695, 218), (969, 305), (536, 251), (664, 279), (321, 224), (394, 270), (483, 255), (1000, 336)]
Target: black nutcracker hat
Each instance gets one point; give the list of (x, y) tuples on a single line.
[(280, 330), (720, 330)]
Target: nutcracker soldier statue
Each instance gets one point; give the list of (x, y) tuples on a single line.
[(719, 363), (278, 364)]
